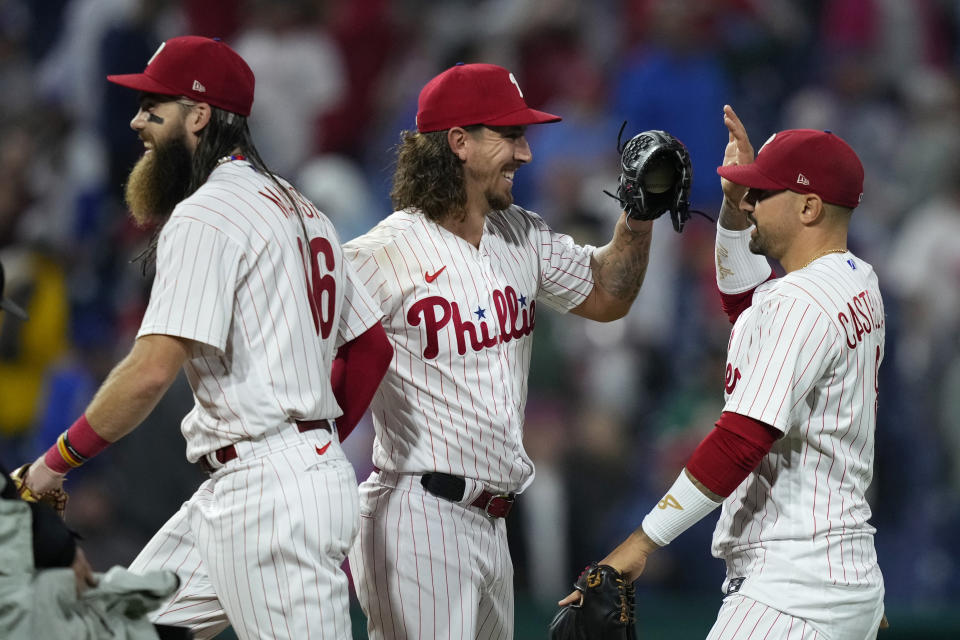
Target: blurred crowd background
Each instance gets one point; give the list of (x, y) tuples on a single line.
[(614, 409)]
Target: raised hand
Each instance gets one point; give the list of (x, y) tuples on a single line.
[(738, 151)]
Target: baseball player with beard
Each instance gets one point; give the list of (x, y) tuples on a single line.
[(460, 272), (252, 298), (791, 457)]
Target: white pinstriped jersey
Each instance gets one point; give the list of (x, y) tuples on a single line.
[(232, 275), (460, 319), (804, 358)]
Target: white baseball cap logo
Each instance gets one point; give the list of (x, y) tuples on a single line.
[(156, 53), (769, 140), (516, 84)]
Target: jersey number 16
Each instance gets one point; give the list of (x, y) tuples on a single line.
[(321, 307)]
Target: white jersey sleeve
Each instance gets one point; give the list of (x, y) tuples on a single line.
[(790, 346), (360, 310), (566, 276), (193, 291), (362, 257)]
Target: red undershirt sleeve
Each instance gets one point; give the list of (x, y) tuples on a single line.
[(730, 452), (733, 304), (356, 373)]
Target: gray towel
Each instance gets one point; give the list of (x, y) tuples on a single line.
[(37, 605)]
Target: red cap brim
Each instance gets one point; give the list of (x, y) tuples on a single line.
[(143, 82), (522, 118), (749, 175)]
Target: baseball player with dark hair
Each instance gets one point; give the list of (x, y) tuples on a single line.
[(791, 457), (252, 297), (460, 272)]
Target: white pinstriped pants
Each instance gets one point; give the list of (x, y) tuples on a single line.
[(425, 567), (260, 544), (742, 618)]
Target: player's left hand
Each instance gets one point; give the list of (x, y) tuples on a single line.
[(575, 598), (601, 607)]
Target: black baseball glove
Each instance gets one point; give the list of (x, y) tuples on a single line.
[(655, 177), (606, 611)]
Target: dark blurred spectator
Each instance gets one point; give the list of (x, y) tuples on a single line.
[(540, 534), (366, 37), (16, 75), (124, 47), (598, 471), (577, 161), (898, 36), (300, 76), (46, 22), (339, 188), (671, 79), (213, 18), (852, 99), (28, 350)]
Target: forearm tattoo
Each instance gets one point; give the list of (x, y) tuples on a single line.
[(619, 268)]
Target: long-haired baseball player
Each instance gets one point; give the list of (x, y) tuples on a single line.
[(252, 298), (460, 273), (791, 456)]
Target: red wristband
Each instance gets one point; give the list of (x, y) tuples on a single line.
[(75, 446)]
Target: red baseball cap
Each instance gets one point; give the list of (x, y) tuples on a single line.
[(202, 69), (468, 94), (805, 161)]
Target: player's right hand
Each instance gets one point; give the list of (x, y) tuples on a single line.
[(40, 478), (738, 151)]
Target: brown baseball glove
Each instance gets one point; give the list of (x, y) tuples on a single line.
[(56, 498)]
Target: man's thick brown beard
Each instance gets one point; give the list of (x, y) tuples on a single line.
[(158, 182)]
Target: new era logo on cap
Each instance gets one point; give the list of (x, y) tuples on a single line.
[(202, 69), (804, 161)]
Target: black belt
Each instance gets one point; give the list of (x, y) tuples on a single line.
[(229, 452), (448, 487)]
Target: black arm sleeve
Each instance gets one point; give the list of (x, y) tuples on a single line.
[(53, 542)]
